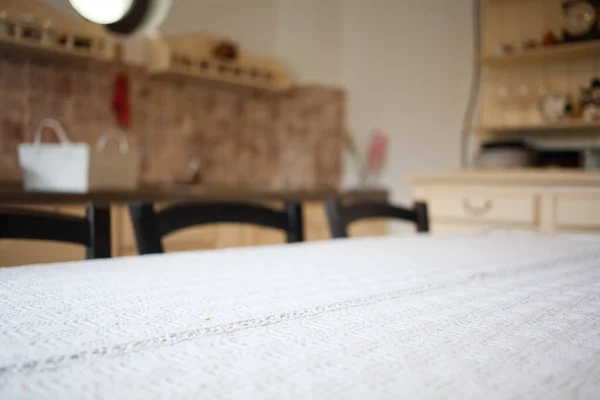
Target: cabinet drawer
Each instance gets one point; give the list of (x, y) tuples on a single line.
[(521, 209), (572, 211)]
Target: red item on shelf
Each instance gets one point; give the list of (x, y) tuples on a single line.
[(120, 102), (550, 39)]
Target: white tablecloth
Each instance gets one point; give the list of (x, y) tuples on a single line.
[(469, 317)]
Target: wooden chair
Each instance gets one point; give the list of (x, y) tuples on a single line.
[(341, 216), (151, 226), (93, 231)]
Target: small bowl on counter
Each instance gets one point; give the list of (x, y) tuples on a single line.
[(505, 154)]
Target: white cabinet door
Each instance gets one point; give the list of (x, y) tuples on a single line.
[(576, 211)]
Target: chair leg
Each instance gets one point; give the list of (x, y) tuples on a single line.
[(295, 231), (147, 234), (422, 217), (100, 235), (335, 216)]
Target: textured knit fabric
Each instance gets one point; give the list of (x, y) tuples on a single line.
[(497, 316)]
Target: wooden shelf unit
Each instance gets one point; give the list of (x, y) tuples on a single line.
[(219, 73), (49, 33), (558, 127), (95, 51), (190, 56), (560, 52), (33, 28), (512, 84)]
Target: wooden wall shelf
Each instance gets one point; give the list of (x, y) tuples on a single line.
[(579, 126), (94, 50), (191, 56), (29, 26), (545, 54), (512, 85), (220, 73)]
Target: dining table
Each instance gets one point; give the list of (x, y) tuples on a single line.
[(500, 315)]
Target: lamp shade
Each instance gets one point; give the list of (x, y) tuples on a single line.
[(102, 12), (125, 17)]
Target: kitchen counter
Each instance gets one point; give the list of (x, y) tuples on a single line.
[(181, 193), (526, 176)]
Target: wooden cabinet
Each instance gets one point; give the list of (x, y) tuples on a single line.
[(538, 201), (516, 72), (23, 252)]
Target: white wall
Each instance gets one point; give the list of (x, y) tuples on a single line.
[(407, 67), (62, 5), (251, 23), (309, 39)]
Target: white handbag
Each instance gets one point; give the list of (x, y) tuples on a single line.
[(75, 167)]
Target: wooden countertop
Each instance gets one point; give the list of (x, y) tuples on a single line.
[(545, 177), (182, 193)]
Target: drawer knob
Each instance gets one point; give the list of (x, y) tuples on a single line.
[(479, 209)]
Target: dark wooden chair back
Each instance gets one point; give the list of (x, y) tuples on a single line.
[(341, 216), (91, 231), (151, 226)]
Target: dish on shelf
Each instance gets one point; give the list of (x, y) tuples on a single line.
[(553, 106), (502, 154)]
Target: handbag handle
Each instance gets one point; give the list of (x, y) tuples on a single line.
[(55, 127), (117, 134)]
